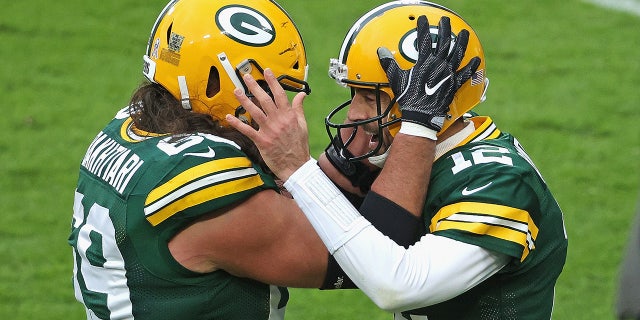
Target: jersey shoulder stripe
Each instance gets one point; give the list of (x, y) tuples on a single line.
[(202, 183), (502, 222), (196, 173)]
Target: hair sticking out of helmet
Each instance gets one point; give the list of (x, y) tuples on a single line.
[(393, 25), (200, 49)]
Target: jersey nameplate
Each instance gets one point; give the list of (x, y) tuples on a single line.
[(111, 162)]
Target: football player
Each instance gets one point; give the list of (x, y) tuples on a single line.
[(494, 241), (175, 214)]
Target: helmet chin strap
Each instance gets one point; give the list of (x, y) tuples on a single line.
[(484, 91), (184, 93), (230, 71)]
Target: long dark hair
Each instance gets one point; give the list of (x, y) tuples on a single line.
[(155, 110)]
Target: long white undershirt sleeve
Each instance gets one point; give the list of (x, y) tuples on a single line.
[(433, 270)]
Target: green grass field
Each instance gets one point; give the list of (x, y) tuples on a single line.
[(564, 76)]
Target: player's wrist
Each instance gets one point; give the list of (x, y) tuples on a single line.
[(417, 129), (427, 117), (284, 173), (303, 170)]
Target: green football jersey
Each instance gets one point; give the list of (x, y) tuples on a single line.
[(487, 192), (135, 192)]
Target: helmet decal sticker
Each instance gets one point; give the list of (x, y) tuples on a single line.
[(175, 42), (477, 77), (170, 56), (245, 25), (154, 49)]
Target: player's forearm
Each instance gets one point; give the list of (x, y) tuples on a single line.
[(321, 200), (338, 178), (433, 270), (406, 173)]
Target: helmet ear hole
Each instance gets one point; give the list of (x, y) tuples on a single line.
[(169, 32), (213, 84)]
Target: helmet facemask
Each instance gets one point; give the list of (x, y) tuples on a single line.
[(342, 134)]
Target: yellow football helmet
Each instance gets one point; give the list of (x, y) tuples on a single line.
[(393, 25), (199, 49)]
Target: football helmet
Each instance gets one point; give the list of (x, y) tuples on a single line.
[(393, 25), (199, 49)]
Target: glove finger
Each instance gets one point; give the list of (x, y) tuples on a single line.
[(388, 63), (444, 38), (459, 49), (424, 43), (467, 71)]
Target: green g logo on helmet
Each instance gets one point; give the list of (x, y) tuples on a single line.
[(245, 25)]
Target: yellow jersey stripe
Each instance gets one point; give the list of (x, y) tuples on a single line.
[(204, 195), (484, 229), (485, 129), (503, 222), (196, 185), (490, 220), (494, 231), (488, 209), (196, 173), (494, 135)]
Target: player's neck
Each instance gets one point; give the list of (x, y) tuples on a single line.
[(454, 128)]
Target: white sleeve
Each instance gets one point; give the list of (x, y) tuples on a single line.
[(433, 270)]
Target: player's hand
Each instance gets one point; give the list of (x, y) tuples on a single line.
[(282, 137), (425, 91)]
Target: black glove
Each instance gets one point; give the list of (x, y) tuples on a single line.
[(425, 91)]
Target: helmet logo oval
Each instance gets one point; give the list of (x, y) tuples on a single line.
[(245, 25), (408, 45)]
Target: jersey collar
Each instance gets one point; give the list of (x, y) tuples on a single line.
[(477, 129), (130, 133)]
